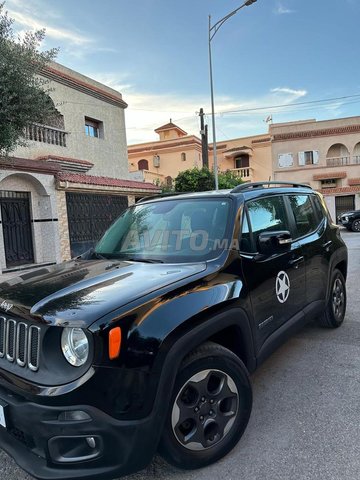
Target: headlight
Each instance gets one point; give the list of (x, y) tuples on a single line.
[(75, 346), (346, 219)]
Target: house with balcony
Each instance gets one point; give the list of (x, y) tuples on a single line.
[(324, 154), (175, 151), (60, 192), (247, 157)]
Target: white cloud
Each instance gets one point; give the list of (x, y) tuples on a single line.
[(282, 10), (56, 33), (37, 15), (295, 93), (148, 111)]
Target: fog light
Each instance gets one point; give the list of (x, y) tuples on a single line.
[(74, 416), (91, 442)]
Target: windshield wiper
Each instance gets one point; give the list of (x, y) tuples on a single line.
[(92, 254), (144, 260)]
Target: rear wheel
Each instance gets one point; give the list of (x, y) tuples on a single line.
[(335, 311), (209, 410), (355, 226)]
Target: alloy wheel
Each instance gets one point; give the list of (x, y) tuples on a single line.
[(338, 296), (205, 410)]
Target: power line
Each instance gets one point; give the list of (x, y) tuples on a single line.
[(288, 105)]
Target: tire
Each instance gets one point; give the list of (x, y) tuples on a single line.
[(335, 311), (209, 410), (355, 226)]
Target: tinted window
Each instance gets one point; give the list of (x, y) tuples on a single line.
[(305, 217), (267, 215), (245, 244), (319, 207)]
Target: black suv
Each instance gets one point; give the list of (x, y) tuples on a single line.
[(145, 343), (351, 220)]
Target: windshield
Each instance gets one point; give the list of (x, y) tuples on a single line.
[(169, 231)]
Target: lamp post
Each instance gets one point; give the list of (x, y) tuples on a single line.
[(212, 32)]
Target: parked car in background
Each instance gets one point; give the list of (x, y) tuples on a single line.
[(351, 220)]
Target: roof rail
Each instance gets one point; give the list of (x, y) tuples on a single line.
[(252, 186), (159, 195)]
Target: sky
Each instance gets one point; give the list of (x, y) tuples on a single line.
[(267, 59)]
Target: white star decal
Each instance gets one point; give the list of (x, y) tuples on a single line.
[(282, 286)]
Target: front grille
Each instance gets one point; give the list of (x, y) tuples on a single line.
[(20, 343)]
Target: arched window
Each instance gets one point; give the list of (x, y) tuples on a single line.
[(337, 155), (168, 181), (356, 155), (183, 156), (143, 164)]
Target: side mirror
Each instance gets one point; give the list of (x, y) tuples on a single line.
[(274, 242)]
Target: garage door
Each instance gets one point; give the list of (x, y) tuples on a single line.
[(344, 204), (89, 216)]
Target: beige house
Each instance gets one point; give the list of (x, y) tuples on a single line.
[(161, 161), (323, 154), (60, 192), (247, 157)]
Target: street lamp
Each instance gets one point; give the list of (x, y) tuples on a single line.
[(212, 32)]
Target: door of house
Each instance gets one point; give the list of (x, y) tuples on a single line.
[(16, 224), (344, 204), (89, 216)]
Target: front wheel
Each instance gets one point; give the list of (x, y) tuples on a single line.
[(209, 410), (334, 313)]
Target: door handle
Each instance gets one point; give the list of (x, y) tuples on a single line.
[(296, 262), (327, 245)]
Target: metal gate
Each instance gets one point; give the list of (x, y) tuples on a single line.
[(16, 223), (89, 216), (344, 204)]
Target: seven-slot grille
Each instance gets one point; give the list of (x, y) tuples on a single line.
[(20, 343)]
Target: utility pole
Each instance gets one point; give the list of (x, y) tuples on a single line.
[(204, 139)]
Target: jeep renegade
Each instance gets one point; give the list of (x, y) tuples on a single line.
[(144, 344)]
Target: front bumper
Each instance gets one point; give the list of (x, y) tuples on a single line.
[(48, 448)]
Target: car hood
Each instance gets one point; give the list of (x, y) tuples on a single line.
[(80, 292), (351, 212)]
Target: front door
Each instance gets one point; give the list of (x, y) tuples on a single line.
[(276, 282), (16, 223)]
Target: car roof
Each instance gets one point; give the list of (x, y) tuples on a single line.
[(244, 191)]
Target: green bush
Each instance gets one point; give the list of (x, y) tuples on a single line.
[(201, 180)]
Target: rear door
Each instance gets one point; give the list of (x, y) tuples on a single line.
[(276, 282), (312, 233)]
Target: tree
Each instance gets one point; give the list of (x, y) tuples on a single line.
[(23, 93), (201, 180)]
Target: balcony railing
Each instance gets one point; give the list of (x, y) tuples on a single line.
[(337, 161), (45, 134), (242, 172), (356, 159)]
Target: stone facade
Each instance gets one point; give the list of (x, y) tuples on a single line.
[(77, 97), (82, 149)]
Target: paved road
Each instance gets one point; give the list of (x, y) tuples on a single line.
[(306, 414)]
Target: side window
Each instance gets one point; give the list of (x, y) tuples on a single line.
[(245, 244), (305, 217), (267, 215), (321, 208)]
